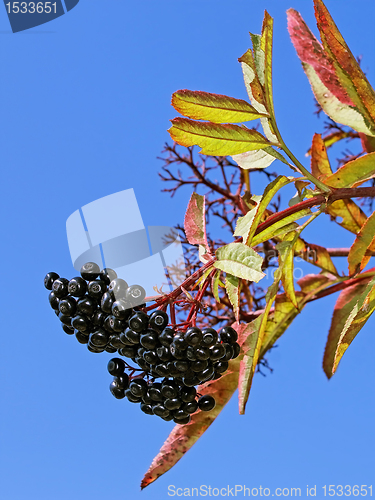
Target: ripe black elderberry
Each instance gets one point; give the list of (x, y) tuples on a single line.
[(54, 301), (67, 306), (135, 294), (159, 320), (60, 287), (102, 311), (236, 350), (49, 279), (80, 323), (117, 391), (228, 335), (193, 336), (77, 287), (116, 367), (106, 303), (96, 289), (107, 275), (138, 387), (139, 322), (206, 403), (68, 329), (86, 305), (90, 271), (166, 337), (99, 338), (118, 288), (210, 337)]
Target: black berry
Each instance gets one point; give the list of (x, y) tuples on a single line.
[(49, 279), (90, 271), (206, 403), (77, 287)]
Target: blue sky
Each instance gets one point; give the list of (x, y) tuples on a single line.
[(85, 110)]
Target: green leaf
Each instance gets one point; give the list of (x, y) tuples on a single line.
[(259, 56), (266, 46), (277, 233), (216, 139), (262, 50), (353, 173), (364, 241), (268, 194), (240, 260), (286, 263), (248, 338), (243, 224), (253, 68), (232, 287), (353, 308), (213, 107), (215, 285), (252, 344), (203, 278), (279, 226), (280, 319), (183, 437)]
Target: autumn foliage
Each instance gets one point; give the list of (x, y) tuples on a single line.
[(228, 272)]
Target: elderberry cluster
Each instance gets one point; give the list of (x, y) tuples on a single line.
[(102, 311), (95, 306), (169, 399)]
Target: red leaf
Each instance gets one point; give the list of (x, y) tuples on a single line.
[(195, 221), (337, 48), (182, 437), (311, 51)]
